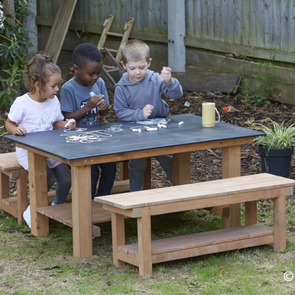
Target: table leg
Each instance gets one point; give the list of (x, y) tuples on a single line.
[(279, 222), (181, 168), (148, 174), (231, 167), (144, 243), (81, 211), (124, 171), (38, 193), (118, 235)]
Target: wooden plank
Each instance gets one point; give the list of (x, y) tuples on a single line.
[(118, 235), (204, 81), (183, 175), (124, 171), (22, 194), (147, 153), (251, 212), (205, 243), (144, 243), (279, 222), (82, 227), (38, 193), (63, 214), (59, 28), (4, 188), (12, 210), (202, 190), (8, 161)]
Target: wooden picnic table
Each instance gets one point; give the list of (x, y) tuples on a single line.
[(124, 144)]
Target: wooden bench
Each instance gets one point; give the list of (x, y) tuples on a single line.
[(16, 205), (144, 204), (10, 168)]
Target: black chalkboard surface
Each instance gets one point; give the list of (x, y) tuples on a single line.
[(121, 138)]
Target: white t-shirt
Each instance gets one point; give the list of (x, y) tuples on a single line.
[(35, 116)]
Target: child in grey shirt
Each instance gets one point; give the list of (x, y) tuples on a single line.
[(138, 97)]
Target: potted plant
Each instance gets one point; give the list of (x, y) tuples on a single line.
[(276, 147)]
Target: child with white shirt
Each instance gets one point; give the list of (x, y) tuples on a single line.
[(39, 110)]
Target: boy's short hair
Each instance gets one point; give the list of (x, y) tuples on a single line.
[(135, 50), (86, 52)]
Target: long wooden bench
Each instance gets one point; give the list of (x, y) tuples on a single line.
[(144, 204)]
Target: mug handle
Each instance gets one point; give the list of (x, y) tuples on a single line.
[(217, 115)]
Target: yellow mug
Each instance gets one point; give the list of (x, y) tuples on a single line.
[(208, 114)]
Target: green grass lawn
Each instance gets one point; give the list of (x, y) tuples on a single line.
[(45, 265)]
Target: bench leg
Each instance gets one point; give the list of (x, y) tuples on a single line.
[(4, 187), (22, 194), (118, 235), (250, 213), (144, 243), (279, 226)]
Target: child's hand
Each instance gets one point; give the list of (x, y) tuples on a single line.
[(20, 130), (166, 74), (70, 123), (102, 104), (94, 101), (147, 110)]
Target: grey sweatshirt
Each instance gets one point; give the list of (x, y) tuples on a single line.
[(130, 98)]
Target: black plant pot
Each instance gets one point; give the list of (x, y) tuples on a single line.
[(276, 161)]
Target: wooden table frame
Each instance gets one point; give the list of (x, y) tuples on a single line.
[(177, 140), (81, 200)]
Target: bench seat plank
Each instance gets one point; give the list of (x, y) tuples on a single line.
[(202, 190)]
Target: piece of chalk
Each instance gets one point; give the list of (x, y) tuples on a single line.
[(164, 69), (161, 125), (136, 130), (180, 123), (68, 123), (150, 128), (92, 93)]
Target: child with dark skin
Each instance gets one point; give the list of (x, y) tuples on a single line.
[(85, 98)]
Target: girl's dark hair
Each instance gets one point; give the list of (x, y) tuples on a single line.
[(39, 68)]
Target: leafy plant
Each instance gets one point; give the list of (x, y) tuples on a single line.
[(13, 52), (277, 136), (263, 84)]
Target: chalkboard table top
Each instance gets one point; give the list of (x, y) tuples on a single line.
[(120, 137)]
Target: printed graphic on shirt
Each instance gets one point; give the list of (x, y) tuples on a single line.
[(45, 123), (90, 118)]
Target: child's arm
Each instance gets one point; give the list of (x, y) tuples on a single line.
[(12, 128), (69, 123), (123, 110), (171, 88)]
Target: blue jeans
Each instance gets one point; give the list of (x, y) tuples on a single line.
[(137, 169), (62, 175), (107, 178)]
